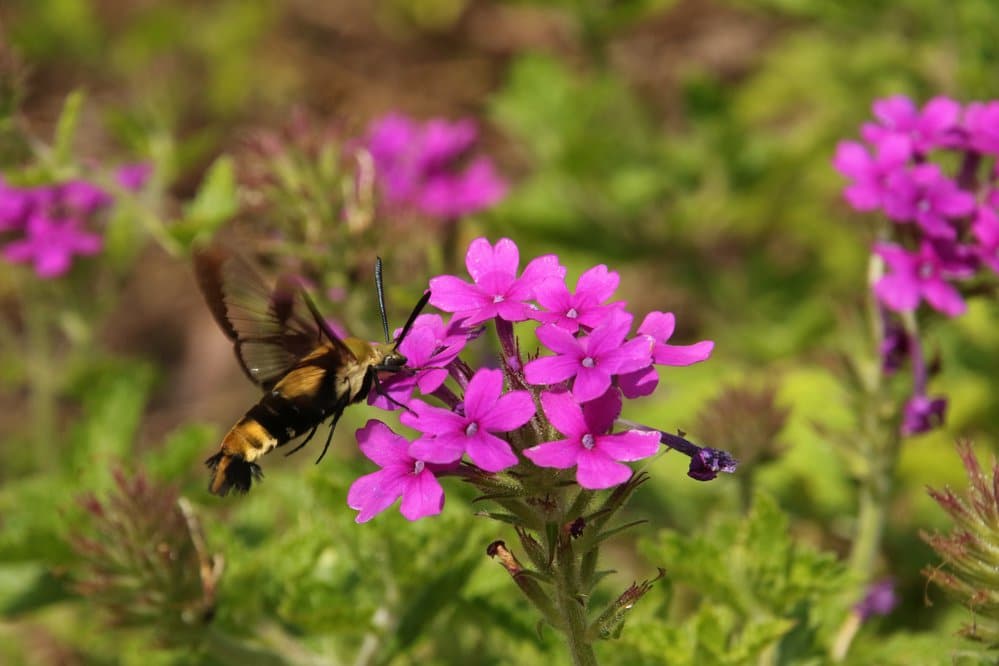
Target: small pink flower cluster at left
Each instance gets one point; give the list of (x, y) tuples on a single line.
[(557, 411), (48, 225)]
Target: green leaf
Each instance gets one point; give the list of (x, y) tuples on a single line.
[(215, 203), (28, 587), (434, 596), (65, 132)]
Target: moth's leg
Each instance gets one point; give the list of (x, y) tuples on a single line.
[(379, 388), (329, 437), (305, 441)]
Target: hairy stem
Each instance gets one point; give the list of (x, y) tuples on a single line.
[(571, 608)]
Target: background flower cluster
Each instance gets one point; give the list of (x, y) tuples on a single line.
[(932, 172)]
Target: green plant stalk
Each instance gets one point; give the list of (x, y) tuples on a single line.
[(42, 379), (572, 611)]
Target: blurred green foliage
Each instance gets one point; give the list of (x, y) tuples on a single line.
[(715, 199)]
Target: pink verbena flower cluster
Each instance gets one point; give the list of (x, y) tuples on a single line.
[(47, 225), (944, 228), (429, 167), (528, 419)]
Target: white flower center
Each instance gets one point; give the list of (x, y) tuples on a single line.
[(418, 466), (471, 429), (498, 298), (926, 270), (589, 441), (572, 314), (923, 205), (588, 362)]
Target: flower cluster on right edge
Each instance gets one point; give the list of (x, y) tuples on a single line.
[(944, 227), (532, 426)]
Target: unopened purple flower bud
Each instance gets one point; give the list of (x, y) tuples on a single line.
[(923, 414), (707, 463), (879, 600)]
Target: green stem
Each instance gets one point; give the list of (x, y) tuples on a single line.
[(870, 527), (42, 377), (570, 608)]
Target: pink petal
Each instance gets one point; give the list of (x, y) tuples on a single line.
[(549, 370), (852, 159), (52, 263), (553, 295), (442, 449), (511, 411), (564, 413), (381, 445), (482, 393), (609, 336), (483, 258), (559, 341), (598, 283), (542, 268), (431, 420), (422, 496), (640, 383), (600, 413), (490, 452), (373, 493), (595, 470), (430, 380), (633, 355), (450, 294), (590, 383), (560, 454), (944, 297), (898, 292), (630, 445), (659, 325), (680, 355)]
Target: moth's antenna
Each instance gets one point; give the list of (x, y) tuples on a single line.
[(379, 287)]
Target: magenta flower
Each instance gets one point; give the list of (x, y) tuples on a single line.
[(447, 435), (496, 290), (592, 359), (16, 205), (934, 127), (985, 228), (596, 454), (870, 175), (133, 177), (981, 120), (400, 476), (584, 308), (429, 347), (922, 414), (658, 327), (50, 244), (427, 167), (914, 277), (80, 197), (924, 195)]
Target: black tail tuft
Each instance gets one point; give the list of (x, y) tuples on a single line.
[(231, 472)]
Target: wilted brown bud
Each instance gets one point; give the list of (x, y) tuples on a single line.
[(745, 422)]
